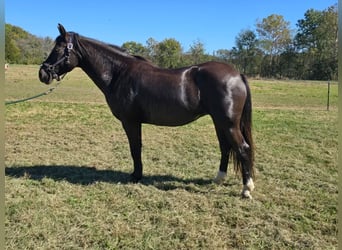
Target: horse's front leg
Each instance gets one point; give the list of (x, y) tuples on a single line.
[(133, 132)]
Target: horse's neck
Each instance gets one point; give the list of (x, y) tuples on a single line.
[(102, 68)]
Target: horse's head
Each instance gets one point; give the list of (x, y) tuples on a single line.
[(62, 58)]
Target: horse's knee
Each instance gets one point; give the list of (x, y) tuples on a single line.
[(243, 149)]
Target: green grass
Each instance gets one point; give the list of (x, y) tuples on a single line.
[(68, 163)]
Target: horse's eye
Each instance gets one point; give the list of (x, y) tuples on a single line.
[(58, 50)]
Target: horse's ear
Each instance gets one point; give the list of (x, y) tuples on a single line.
[(62, 30)]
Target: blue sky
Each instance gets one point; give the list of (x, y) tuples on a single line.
[(215, 23)]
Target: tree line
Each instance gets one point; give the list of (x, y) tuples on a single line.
[(271, 50), (22, 47)]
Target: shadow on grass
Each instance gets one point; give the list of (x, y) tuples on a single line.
[(85, 175)]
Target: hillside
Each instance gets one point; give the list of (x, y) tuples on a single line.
[(21, 47)]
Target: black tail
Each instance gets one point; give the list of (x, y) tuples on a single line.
[(246, 130)]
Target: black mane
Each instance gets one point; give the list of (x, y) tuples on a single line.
[(116, 49)]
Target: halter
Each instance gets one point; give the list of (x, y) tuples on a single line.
[(51, 67)]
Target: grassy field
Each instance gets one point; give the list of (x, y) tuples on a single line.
[(68, 164)]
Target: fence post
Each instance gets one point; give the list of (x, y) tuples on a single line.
[(328, 102)]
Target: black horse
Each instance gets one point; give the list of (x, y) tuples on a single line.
[(139, 92)]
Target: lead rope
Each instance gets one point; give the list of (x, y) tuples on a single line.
[(35, 96), (69, 48)]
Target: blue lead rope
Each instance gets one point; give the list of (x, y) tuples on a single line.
[(33, 97)]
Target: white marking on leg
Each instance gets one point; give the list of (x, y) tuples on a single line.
[(248, 188), (220, 177), (250, 184)]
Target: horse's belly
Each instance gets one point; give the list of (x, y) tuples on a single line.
[(171, 117)]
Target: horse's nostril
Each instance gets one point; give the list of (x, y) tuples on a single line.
[(45, 76)]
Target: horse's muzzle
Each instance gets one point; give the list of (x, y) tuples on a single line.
[(45, 76)]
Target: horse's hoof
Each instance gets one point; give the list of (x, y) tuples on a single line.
[(220, 177), (246, 195), (247, 189), (135, 179)]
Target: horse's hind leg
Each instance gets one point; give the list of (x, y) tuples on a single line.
[(243, 158), (225, 150), (231, 138)]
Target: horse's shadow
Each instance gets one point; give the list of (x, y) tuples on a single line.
[(85, 175)]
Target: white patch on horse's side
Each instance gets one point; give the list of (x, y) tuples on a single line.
[(183, 87), (248, 188), (106, 77), (231, 103), (234, 83), (220, 177)]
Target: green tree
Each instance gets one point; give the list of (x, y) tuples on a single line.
[(316, 42), (24, 48), (169, 53), (135, 48), (47, 45), (287, 66), (12, 52), (197, 52), (247, 52), (274, 34), (223, 55), (152, 47), (274, 37)]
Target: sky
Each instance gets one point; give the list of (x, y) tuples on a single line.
[(215, 23)]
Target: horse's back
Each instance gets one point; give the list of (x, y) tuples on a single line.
[(216, 71)]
